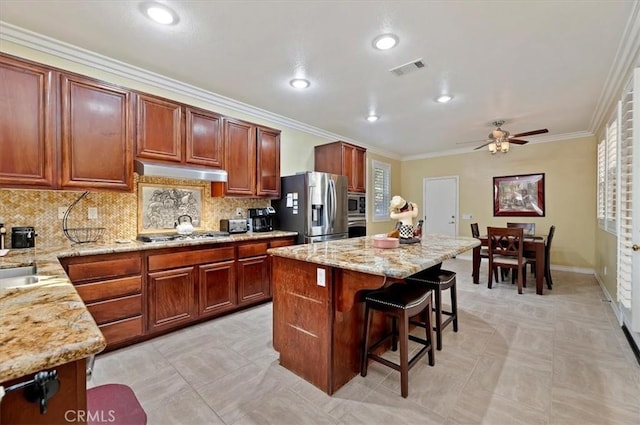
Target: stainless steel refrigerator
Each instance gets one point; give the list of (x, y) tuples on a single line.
[(313, 204)]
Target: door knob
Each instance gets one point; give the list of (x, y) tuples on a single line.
[(635, 247)]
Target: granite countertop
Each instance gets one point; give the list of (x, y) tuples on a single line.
[(358, 254), (46, 324)]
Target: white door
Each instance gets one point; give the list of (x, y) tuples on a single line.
[(440, 205)]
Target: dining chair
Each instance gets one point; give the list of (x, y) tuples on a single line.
[(506, 251), (484, 251), (547, 258), (529, 228)]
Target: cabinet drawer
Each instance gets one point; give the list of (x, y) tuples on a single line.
[(91, 292), (116, 309), (105, 269), (282, 242), (122, 330), (252, 249), (189, 258)]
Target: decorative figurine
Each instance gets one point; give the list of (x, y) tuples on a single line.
[(404, 212)]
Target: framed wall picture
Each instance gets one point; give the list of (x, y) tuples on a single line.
[(518, 196), (160, 206)]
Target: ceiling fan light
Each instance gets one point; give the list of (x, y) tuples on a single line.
[(504, 147), (493, 148)]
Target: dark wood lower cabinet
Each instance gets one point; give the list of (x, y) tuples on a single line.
[(171, 298), (68, 405), (134, 296), (253, 279), (216, 288)]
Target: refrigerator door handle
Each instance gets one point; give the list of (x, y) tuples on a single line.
[(332, 197)]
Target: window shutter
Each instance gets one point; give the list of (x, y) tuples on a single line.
[(612, 174), (625, 179), (381, 189), (601, 181)]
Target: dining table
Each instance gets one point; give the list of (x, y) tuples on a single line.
[(533, 248)]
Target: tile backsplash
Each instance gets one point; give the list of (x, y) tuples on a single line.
[(117, 211)]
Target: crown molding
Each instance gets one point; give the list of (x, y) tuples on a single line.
[(48, 45), (627, 57)]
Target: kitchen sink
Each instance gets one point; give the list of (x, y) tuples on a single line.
[(14, 277)]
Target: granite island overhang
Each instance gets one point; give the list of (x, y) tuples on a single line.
[(318, 312)]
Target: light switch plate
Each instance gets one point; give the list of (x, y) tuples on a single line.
[(93, 213), (467, 216), (321, 277)]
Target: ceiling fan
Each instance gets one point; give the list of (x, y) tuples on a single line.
[(499, 139)]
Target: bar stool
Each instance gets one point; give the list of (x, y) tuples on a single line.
[(400, 301), (438, 281)]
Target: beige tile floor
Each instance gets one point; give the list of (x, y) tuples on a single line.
[(560, 358)]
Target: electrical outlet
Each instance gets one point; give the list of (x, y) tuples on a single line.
[(239, 212), (61, 211), (320, 277), (93, 213)]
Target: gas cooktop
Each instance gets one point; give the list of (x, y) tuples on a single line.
[(163, 237)]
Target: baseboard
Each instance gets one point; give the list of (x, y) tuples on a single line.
[(612, 302), (581, 270)]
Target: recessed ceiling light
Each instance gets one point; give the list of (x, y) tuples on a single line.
[(160, 13), (372, 118), (385, 41), (444, 98), (299, 83)]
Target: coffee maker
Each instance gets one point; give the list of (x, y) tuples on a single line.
[(262, 218)]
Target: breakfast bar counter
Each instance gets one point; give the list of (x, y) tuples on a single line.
[(318, 309)]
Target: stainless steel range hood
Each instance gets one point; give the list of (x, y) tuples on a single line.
[(144, 168)]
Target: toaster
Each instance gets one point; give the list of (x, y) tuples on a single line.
[(234, 225)]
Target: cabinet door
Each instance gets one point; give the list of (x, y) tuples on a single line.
[(240, 157), (158, 129), (268, 163), (27, 125), (171, 298), (96, 124), (68, 405), (204, 143), (217, 288), (253, 279), (359, 170)]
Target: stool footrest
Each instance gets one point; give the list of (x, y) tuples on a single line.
[(420, 354)]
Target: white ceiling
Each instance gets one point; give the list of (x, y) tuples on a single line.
[(535, 64)]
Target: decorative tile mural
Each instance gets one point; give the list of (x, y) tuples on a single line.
[(117, 211)]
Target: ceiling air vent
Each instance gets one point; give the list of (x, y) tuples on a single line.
[(408, 67)]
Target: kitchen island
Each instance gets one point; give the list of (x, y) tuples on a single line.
[(318, 289)]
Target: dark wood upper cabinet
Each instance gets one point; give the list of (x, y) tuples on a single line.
[(240, 157), (204, 143), (268, 162), (27, 124), (159, 129), (96, 123), (345, 159), (252, 155), (168, 131)]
